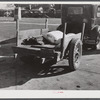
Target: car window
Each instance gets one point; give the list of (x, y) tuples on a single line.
[(75, 10), (98, 11)]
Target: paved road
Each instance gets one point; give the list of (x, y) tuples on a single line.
[(14, 74)]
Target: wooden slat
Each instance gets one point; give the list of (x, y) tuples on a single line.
[(30, 33), (44, 46)]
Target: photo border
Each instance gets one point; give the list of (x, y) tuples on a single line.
[(51, 94)]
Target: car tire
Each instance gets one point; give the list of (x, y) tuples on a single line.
[(75, 53)]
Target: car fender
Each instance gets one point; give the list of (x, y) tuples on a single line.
[(96, 32), (69, 37), (96, 29)]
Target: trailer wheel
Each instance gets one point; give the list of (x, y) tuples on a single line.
[(75, 53)]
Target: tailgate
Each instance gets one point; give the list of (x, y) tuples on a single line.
[(28, 50)]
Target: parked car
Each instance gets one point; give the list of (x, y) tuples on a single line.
[(75, 15)]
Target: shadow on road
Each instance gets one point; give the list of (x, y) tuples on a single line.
[(13, 72), (12, 40), (25, 72), (91, 52), (7, 72), (48, 70)]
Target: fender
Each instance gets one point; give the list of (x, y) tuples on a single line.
[(96, 28), (69, 37), (95, 33)]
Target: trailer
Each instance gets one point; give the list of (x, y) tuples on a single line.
[(45, 45)]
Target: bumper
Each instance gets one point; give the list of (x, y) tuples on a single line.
[(91, 42)]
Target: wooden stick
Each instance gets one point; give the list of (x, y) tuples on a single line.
[(17, 31), (63, 41), (83, 29), (46, 23)]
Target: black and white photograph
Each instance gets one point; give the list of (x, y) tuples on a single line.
[(50, 46)]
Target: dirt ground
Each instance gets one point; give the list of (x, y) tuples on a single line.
[(15, 75)]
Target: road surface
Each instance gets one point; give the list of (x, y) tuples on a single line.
[(15, 75)]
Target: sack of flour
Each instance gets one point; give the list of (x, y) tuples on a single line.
[(54, 37)]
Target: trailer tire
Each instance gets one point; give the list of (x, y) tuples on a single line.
[(75, 53)]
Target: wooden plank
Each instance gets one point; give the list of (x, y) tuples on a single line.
[(30, 33), (26, 51), (44, 46), (23, 51)]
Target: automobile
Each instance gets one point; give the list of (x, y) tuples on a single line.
[(75, 15)]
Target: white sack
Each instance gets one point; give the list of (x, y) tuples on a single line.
[(53, 36)]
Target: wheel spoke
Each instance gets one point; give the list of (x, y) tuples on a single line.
[(76, 55)]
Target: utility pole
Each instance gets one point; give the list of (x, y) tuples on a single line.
[(17, 13)]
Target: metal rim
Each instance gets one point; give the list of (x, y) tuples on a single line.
[(77, 54)]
